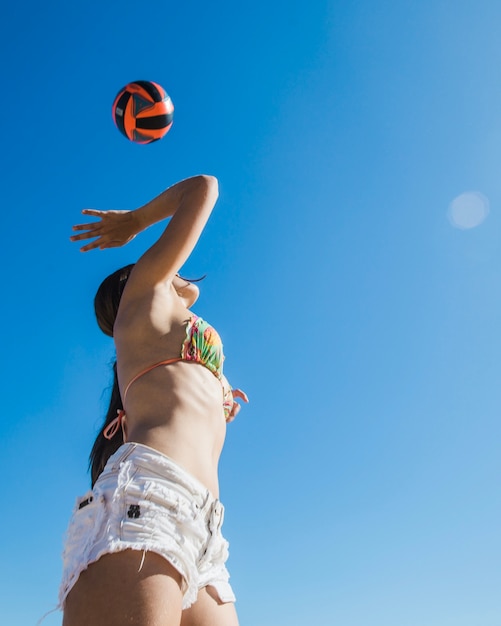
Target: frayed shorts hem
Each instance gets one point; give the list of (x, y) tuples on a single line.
[(222, 587)]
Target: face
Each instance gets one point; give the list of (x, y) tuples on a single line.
[(188, 292)]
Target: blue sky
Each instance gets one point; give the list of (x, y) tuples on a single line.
[(361, 482)]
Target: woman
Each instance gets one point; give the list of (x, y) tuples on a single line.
[(145, 547)]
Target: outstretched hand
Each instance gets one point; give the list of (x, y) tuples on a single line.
[(114, 229), (237, 393)]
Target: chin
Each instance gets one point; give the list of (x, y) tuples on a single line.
[(192, 294)]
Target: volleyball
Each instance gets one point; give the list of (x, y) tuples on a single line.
[(143, 111)]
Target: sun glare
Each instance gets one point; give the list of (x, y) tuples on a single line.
[(468, 210)]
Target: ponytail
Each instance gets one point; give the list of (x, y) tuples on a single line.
[(103, 448)]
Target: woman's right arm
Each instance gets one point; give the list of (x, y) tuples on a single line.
[(188, 203)]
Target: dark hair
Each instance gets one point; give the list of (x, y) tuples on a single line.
[(103, 448), (106, 303), (108, 296)]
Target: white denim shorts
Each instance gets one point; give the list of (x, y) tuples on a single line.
[(144, 501)]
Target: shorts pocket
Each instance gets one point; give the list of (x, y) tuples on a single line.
[(83, 529), (84, 524), (146, 507)]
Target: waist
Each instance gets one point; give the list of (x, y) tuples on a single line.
[(191, 443), (154, 465)]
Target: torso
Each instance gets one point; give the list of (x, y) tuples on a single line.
[(176, 408)]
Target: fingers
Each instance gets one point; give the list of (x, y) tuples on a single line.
[(234, 412), (112, 230), (81, 236), (94, 212), (88, 235), (94, 229), (91, 246), (86, 226), (91, 226), (241, 395), (238, 393)]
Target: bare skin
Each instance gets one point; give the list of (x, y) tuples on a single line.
[(208, 611), (176, 409), (116, 591)]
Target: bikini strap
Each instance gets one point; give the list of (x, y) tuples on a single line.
[(119, 422), (145, 371)]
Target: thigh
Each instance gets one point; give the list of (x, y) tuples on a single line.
[(121, 589), (209, 611)]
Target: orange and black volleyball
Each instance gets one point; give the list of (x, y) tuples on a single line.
[(143, 111)]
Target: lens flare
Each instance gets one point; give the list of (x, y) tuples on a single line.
[(468, 210)]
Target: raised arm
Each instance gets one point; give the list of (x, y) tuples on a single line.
[(188, 203)]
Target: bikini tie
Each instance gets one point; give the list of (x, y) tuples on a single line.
[(111, 430)]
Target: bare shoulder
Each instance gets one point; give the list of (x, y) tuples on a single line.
[(146, 308), (149, 327)]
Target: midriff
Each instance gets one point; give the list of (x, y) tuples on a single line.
[(177, 410)]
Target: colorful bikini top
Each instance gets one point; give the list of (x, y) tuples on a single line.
[(202, 345)]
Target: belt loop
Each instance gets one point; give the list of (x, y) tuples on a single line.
[(128, 450), (206, 501), (220, 513)]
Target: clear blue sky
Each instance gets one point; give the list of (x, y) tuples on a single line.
[(362, 482)]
